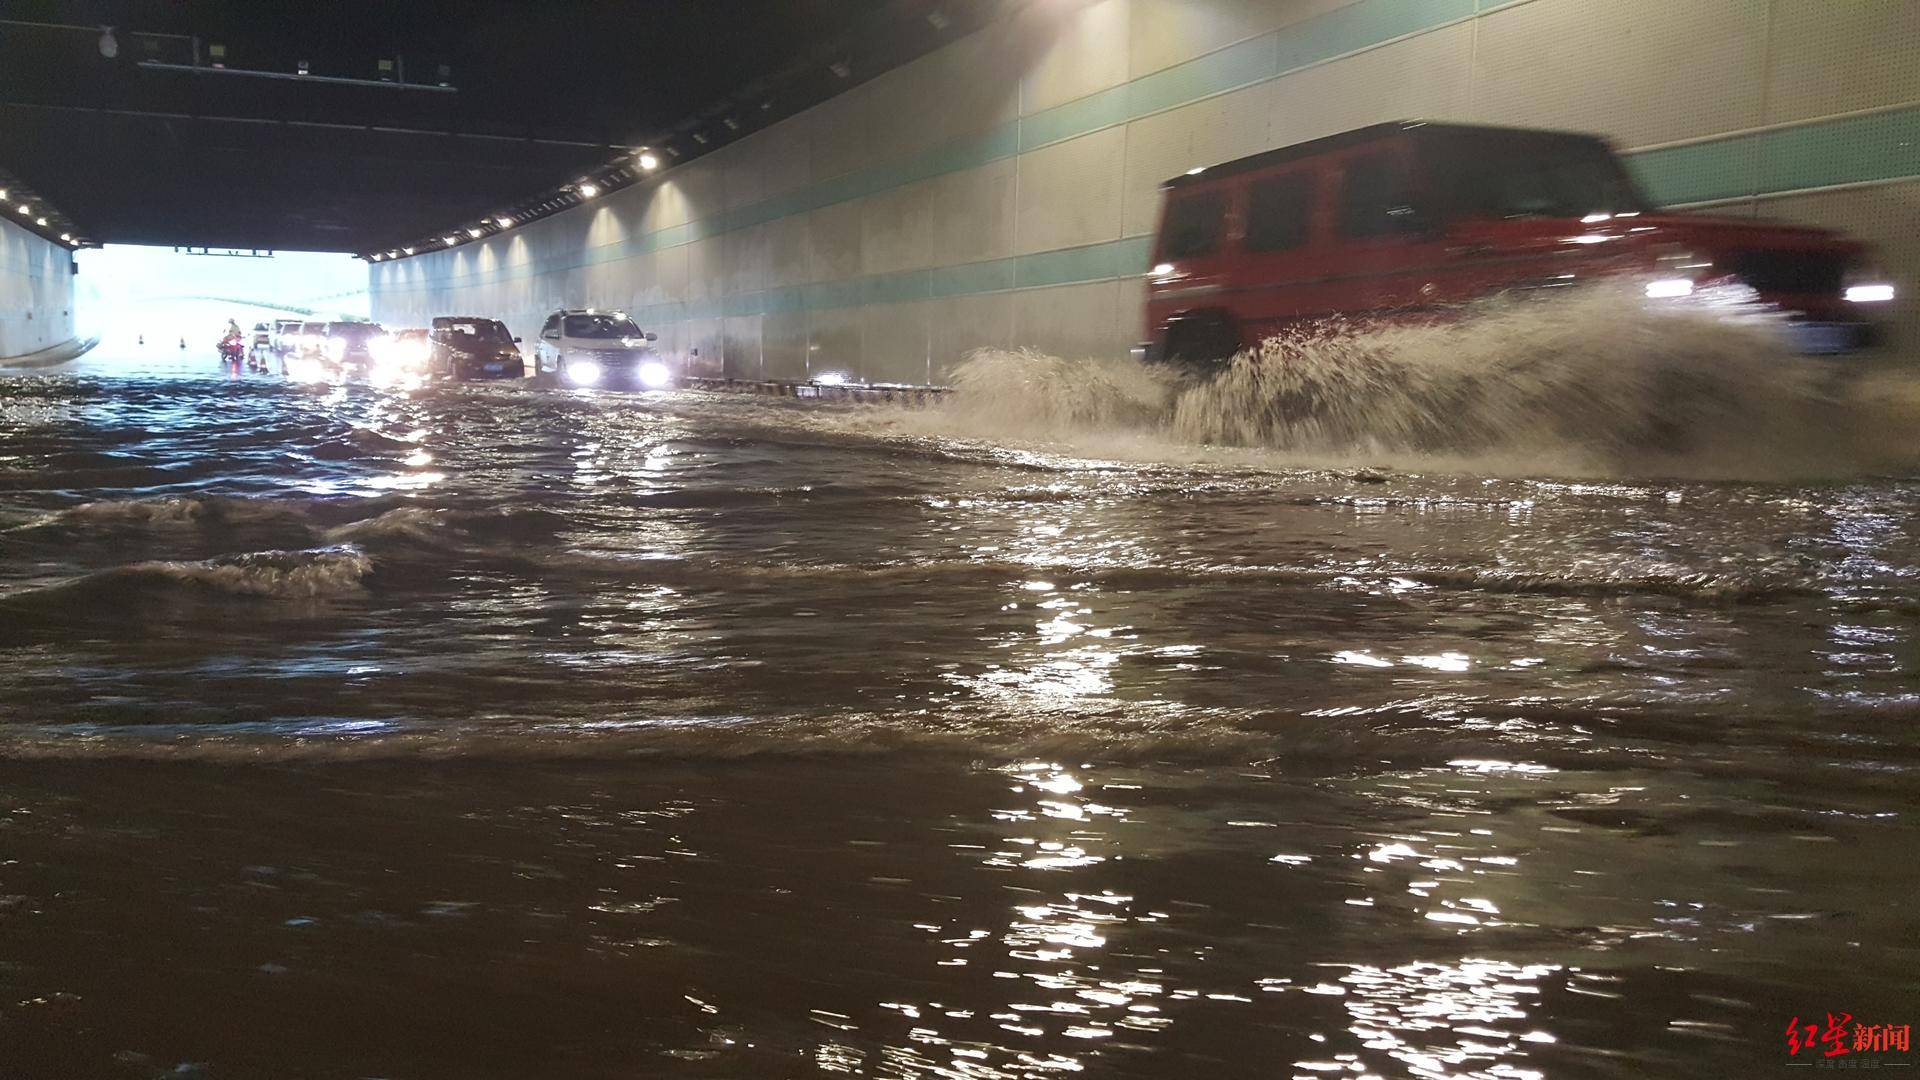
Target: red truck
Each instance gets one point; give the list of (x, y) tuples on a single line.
[(1406, 219)]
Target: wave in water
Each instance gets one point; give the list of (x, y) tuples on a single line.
[(169, 512), (1599, 383), (274, 575), (1410, 733), (318, 519)]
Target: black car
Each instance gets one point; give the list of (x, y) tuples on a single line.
[(467, 347)]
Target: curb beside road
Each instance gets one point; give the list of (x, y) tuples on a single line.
[(67, 350), (904, 395)]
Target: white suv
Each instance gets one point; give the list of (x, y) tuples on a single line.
[(594, 347)]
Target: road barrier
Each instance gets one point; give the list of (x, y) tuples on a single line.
[(868, 393)]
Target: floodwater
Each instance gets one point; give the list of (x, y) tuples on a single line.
[(489, 731)]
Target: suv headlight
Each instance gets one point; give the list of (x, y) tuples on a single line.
[(654, 374), (337, 347), (1868, 285)]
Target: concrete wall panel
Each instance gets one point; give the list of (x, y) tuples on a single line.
[(1425, 77), (960, 325), (706, 346), (893, 227), (840, 142), (1068, 194), (706, 276), (36, 292), (1643, 71), (1085, 50), (783, 345), (833, 341), (834, 235), (970, 214), (975, 84), (894, 341), (743, 260), (1070, 320), (1832, 56), (789, 251), (1169, 32), (740, 339)]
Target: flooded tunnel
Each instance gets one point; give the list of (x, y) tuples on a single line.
[(958, 538)]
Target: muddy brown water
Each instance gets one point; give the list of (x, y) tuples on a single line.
[(473, 732)]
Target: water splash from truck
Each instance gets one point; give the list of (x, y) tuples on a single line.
[(1595, 383)]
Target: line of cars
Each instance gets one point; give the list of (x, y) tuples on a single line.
[(577, 347)]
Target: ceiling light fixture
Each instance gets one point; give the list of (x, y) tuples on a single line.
[(407, 250), (588, 191), (475, 232), (648, 161), (504, 222)]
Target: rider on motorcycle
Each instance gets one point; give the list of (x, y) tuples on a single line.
[(231, 343)]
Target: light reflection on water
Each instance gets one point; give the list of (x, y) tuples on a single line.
[(695, 736)]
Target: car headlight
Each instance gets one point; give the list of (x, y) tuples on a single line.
[(1669, 288), (583, 373), (1866, 282), (654, 375), (337, 348), (384, 349)]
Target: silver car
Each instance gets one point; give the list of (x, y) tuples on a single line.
[(597, 347)]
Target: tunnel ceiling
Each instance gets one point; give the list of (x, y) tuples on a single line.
[(137, 153)]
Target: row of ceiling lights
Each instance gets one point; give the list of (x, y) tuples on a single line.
[(643, 159), (38, 215), (622, 171)]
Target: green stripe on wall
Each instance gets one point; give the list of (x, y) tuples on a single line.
[(1849, 150), (1067, 266)]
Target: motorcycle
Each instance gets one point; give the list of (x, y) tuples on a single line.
[(232, 351)]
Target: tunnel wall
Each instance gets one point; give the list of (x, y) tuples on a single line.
[(36, 292), (1002, 190)]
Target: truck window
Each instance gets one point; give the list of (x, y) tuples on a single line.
[(1193, 225), (1375, 199), (1530, 174), (1279, 209)]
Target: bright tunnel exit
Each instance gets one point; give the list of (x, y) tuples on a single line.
[(126, 292)]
